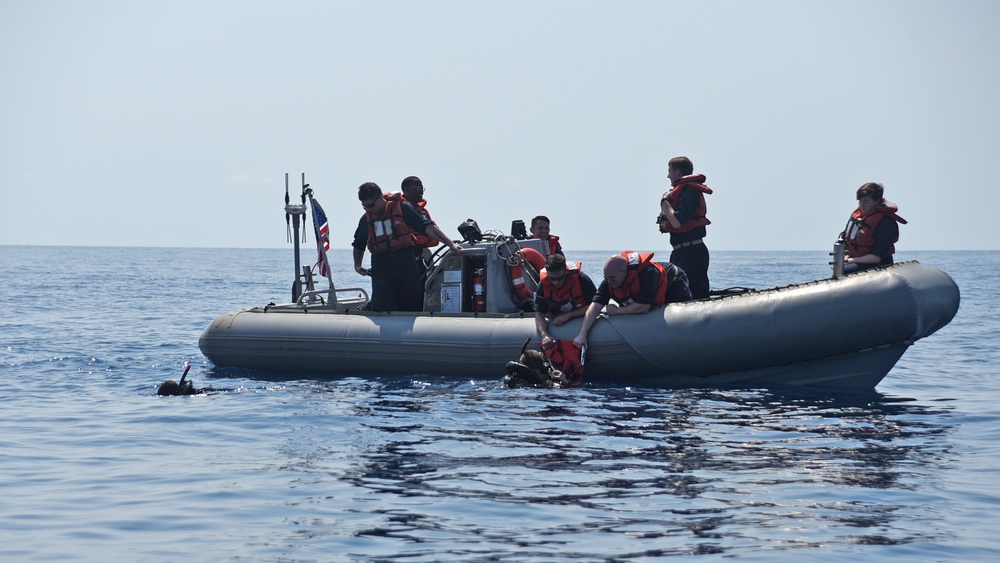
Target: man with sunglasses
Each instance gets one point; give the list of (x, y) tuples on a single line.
[(563, 293), (389, 230)]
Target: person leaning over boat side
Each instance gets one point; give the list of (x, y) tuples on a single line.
[(563, 293), (413, 192), (872, 230), (637, 284), (682, 214), (388, 229), (540, 230)]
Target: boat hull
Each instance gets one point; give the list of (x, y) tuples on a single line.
[(848, 332)]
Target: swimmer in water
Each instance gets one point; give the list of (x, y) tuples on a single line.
[(534, 370), (184, 387)]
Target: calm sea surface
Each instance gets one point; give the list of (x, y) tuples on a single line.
[(95, 466)]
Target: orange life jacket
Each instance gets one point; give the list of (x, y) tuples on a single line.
[(566, 358), (860, 234), (566, 298), (554, 246), (424, 240), (387, 231), (674, 197), (629, 289)]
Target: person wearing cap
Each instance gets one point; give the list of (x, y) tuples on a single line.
[(413, 192), (682, 214), (389, 230)]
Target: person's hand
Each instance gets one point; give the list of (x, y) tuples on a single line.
[(547, 341), (580, 342), (559, 320), (612, 309), (361, 270), (558, 379)]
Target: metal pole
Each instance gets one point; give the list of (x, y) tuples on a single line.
[(838, 259), (296, 212)]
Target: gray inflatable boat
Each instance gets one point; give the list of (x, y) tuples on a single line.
[(847, 330)]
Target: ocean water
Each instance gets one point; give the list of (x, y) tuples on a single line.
[(95, 466)]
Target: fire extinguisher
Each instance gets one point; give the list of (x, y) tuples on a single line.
[(479, 291)]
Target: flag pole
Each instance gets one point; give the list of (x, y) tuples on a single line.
[(321, 228)]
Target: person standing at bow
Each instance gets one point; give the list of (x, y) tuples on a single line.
[(389, 230), (872, 231), (682, 214)]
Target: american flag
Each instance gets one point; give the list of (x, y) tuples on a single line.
[(322, 237)]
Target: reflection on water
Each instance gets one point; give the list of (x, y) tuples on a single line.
[(471, 469)]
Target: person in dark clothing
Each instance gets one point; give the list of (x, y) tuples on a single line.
[(872, 230), (637, 284), (564, 293), (540, 230), (413, 192), (389, 230), (682, 214)]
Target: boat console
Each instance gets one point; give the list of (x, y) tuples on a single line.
[(482, 278)]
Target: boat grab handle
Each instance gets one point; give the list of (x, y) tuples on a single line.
[(363, 298)]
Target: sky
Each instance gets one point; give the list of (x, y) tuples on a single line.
[(173, 123)]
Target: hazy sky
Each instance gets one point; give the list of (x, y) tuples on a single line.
[(172, 123)]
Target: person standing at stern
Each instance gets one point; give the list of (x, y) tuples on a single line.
[(389, 230)]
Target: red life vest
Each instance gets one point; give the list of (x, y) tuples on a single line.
[(860, 235), (629, 289), (674, 197), (387, 231), (424, 240), (554, 246), (566, 358), (566, 298)]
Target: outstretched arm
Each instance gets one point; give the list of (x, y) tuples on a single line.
[(588, 321), (436, 232), (542, 325)]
